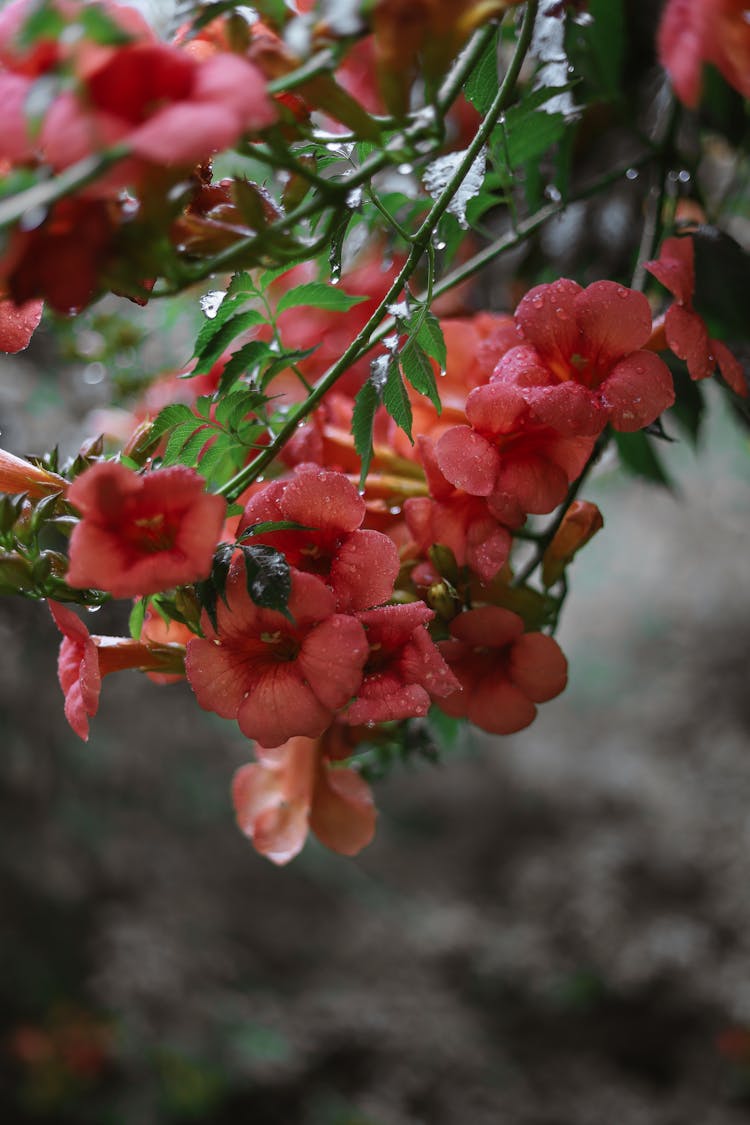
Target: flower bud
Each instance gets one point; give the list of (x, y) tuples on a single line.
[(580, 523), (15, 573), (18, 475)]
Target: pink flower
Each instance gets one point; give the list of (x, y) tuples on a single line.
[(502, 670), (359, 566), (685, 330), (694, 32), (278, 677), (293, 789), (84, 659), (142, 534), (404, 670)]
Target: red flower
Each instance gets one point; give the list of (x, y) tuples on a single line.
[(142, 534), (18, 324), (595, 338), (292, 789), (513, 453), (404, 669), (359, 566), (686, 332), (503, 671), (84, 659), (278, 677), (694, 32), (457, 520)]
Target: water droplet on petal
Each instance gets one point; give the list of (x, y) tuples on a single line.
[(561, 314), (621, 292), (538, 301)]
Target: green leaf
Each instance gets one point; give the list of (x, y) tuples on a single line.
[(241, 282), (417, 368), (137, 617), (320, 296), (271, 525), (430, 337), (689, 407), (396, 400), (481, 85), (222, 338), (171, 416), (524, 136), (179, 437), (365, 405), (244, 359), (598, 49), (284, 361), (638, 455), (722, 282)]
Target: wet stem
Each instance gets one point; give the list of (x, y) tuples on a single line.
[(419, 243)]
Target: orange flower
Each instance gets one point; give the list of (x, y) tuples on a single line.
[(17, 475), (580, 523)]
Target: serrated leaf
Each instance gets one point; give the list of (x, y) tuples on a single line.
[(284, 361), (269, 580), (241, 282), (177, 439), (245, 358), (212, 459), (365, 406), (190, 451), (396, 400), (171, 416), (318, 295), (638, 455), (220, 340), (417, 369), (227, 308), (524, 139), (430, 337), (236, 408)]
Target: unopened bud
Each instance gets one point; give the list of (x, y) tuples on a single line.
[(444, 561), (141, 443), (580, 523), (15, 573), (440, 598)]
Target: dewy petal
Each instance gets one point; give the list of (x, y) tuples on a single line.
[(280, 706), (523, 367), (488, 546), (547, 318), (687, 337), (18, 323), (569, 408), (534, 481), (468, 460), (332, 658), (614, 321), (386, 698), (343, 813), (537, 666), (280, 832), (497, 408), (364, 570), (637, 390), (324, 500), (219, 676), (276, 826), (731, 368), (675, 268)]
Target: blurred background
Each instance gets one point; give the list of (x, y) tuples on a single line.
[(549, 929)]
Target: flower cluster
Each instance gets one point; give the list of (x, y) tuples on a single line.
[(333, 521)]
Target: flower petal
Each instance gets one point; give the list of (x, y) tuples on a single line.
[(637, 390), (364, 570), (614, 321), (468, 460), (332, 658), (537, 666), (343, 813)]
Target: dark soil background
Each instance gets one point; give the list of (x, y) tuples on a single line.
[(550, 929)]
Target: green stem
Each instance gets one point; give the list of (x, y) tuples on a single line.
[(361, 344)]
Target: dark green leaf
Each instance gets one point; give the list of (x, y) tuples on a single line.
[(417, 368), (430, 338), (179, 437), (482, 84), (271, 525), (269, 580), (241, 282), (396, 400), (365, 405), (689, 408), (638, 455), (722, 283), (244, 359)]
